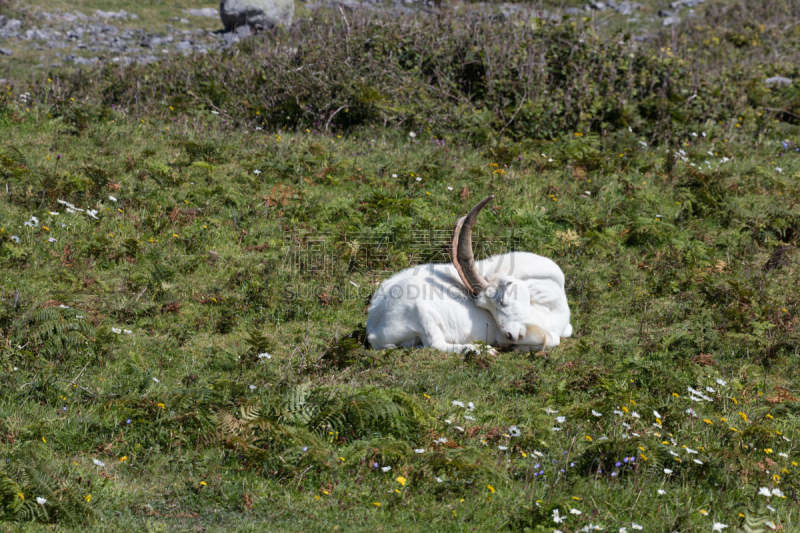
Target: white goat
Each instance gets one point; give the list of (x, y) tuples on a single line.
[(511, 299)]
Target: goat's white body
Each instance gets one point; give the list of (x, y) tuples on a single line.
[(429, 306)]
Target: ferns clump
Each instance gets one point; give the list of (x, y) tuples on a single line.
[(756, 517), (60, 332), (28, 476), (300, 427)]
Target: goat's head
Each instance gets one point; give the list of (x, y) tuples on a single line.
[(507, 297)]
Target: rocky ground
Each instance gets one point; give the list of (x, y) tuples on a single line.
[(76, 38), (80, 38)]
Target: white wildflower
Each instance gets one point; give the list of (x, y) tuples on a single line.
[(256, 172), (575, 511), (636, 526), (778, 493), (412, 134), (252, 388), (764, 491), (471, 406), (595, 413), (551, 411), (472, 419), (99, 463), (419, 450), (15, 238), (667, 471), (156, 380), (657, 414), (718, 526), (264, 355), (636, 415), (561, 419), (514, 431), (722, 382), (662, 492), (386, 468), (457, 403), (556, 517), (502, 448), (41, 501), (112, 198)]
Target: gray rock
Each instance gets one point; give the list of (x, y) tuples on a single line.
[(6, 51), (183, 46), (685, 3), (778, 81), (598, 6), (669, 21), (573, 11), (259, 14), (146, 60), (626, 8), (205, 12), (10, 28), (55, 65), (664, 13), (57, 44), (243, 31), (121, 15), (230, 38), (82, 60)]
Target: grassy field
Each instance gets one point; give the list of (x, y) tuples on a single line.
[(184, 278)]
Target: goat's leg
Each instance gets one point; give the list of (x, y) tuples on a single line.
[(433, 337)]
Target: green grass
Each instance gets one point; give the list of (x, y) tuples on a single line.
[(203, 256)]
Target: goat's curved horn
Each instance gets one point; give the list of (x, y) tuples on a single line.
[(463, 258)]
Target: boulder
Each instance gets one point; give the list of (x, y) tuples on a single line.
[(778, 81), (258, 14)]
